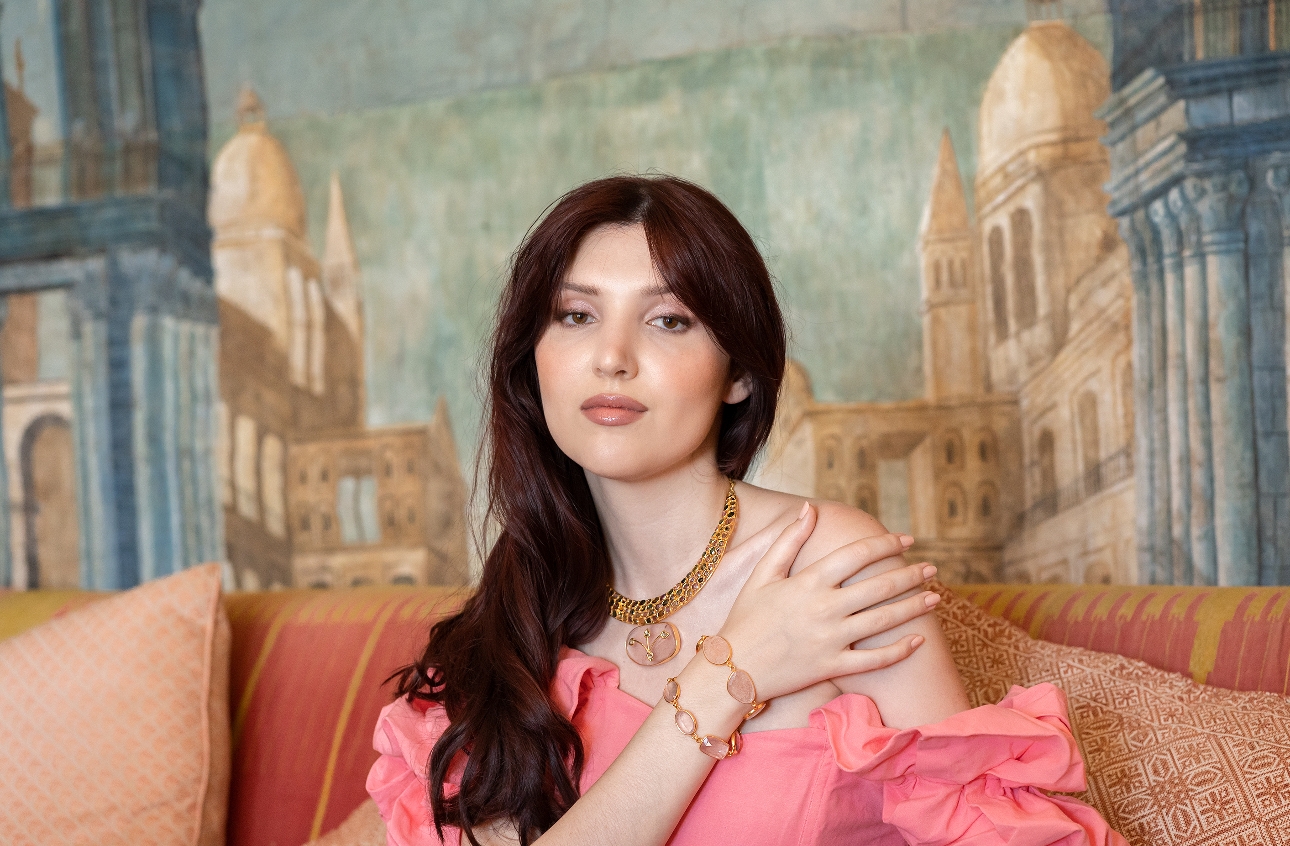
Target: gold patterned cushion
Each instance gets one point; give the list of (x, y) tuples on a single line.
[(1170, 762), (114, 725)]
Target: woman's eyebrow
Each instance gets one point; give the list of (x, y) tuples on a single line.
[(593, 291)]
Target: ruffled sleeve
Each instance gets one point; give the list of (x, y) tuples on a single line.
[(976, 777), (406, 734), (404, 737)]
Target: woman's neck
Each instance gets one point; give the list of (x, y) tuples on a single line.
[(656, 529)]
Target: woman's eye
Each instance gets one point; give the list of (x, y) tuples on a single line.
[(578, 318), (671, 322)]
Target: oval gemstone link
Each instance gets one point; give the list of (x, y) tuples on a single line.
[(755, 710), (740, 686), (714, 747), (736, 742), (671, 691), (685, 721), (716, 649)]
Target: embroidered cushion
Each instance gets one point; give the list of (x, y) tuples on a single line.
[(1170, 762)]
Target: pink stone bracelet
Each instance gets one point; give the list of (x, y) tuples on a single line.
[(709, 744), (739, 684)]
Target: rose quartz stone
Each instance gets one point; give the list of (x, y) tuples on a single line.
[(671, 691), (740, 685), (755, 710), (716, 649), (685, 721), (736, 742), (714, 747)]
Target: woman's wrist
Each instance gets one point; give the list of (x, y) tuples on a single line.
[(703, 694)]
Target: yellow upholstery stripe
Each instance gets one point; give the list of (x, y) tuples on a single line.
[(25, 609), (1215, 611), (271, 638), (355, 680)]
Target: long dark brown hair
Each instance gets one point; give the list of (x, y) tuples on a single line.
[(544, 582)]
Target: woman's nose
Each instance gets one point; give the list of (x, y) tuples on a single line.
[(615, 353)]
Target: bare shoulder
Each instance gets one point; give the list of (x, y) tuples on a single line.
[(837, 525)]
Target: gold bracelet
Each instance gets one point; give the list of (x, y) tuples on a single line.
[(709, 744), (739, 684)]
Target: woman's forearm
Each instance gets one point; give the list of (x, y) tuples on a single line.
[(640, 799)]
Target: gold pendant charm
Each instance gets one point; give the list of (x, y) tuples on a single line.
[(654, 644)]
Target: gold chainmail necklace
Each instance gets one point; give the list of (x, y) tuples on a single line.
[(649, 644)]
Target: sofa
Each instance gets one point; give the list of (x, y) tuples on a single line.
[(308, 669)]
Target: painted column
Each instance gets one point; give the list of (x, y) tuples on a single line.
[(6, 156), (1204, 568), (1144, 490), (216, 550), (1278, 179), (1231, 386), (6, 550), (1175, 379), (96, 493), (1161, 536)]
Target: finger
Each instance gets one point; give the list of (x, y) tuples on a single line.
[(845, 561), (779, 559), (884, 587), (884, 618), (867, 660)]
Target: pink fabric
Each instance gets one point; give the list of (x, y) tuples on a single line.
[(976, 778)]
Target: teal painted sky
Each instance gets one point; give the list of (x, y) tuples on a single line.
[(823, 146)]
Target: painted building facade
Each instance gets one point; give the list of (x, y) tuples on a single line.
[(1017, 464), (310, 494)]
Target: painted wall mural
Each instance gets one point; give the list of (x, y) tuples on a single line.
[(1032, 254)]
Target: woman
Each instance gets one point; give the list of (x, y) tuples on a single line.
[(635, 367)]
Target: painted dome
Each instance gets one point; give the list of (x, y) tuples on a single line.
[(1045, 89), (253, 182)]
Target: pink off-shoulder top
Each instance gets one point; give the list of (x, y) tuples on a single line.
[(976, 778)]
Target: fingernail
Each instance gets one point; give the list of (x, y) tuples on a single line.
[(906, 541), (917, 641), (928, 571), (931, 599), (806, 507)]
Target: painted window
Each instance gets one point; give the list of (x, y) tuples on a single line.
[(1023, 268), (866, 499), (224, 448), (987, 502), (356, 509), (998, 285), (272, 485), (1089, 441), (317, 325), (954, 508), (1046, 451), (245, 467), (298, 353), (893, 494), (1126, 404)]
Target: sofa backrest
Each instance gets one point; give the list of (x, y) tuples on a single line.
[(1232, 637), (306, 687)]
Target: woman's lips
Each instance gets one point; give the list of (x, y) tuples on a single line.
[(612, 410)]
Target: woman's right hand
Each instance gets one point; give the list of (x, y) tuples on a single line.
[(793, 631)]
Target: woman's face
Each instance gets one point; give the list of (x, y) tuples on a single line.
[(632, 384)]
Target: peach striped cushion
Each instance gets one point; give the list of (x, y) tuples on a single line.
[(307, 672), (114, 720), (1232, 637)]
